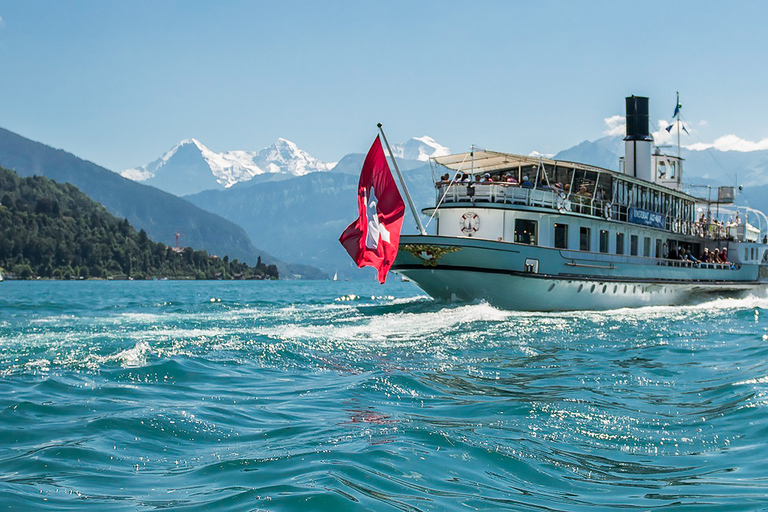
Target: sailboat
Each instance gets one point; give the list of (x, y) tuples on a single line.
[(335, 276)]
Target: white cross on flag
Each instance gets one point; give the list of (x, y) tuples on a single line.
[(372, 240)]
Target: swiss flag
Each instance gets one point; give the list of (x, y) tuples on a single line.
[(372, 240)]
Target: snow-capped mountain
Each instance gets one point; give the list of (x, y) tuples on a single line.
[(190, 167), (419, 148)]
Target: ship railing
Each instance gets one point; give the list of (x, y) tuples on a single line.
[(548, 197), (698, 264), (581, 257), (508, 194)]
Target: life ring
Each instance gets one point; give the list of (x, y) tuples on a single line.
[(608, 211), (469, 223), (676, 226), (563, 205), (685, 228)]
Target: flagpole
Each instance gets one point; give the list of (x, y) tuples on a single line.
[(677, 107), (402, 182)]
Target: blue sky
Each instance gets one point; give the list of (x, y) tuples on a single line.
[(119, 83)]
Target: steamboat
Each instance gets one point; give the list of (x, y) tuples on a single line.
[(537, 234)]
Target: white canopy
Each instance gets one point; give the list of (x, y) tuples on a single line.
[(483, 161)]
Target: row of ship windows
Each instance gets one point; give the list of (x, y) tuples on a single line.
[(526, 230), (525, 233)]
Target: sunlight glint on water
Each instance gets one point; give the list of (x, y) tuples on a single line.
[(329, 396)]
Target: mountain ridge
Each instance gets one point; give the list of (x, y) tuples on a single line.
[(159, 213), (191, 167)]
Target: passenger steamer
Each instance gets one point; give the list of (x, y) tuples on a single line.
[(579, 236)]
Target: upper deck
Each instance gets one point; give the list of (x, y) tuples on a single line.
[(573, 188)]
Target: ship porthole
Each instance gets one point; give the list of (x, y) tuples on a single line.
[(551, 287), (615, 288), (605, 288), (593, 289), (625, 288), (581, 287)]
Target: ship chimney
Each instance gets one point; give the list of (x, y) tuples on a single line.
[(637, 143)]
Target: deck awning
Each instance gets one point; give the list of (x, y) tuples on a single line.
[(483, 161)]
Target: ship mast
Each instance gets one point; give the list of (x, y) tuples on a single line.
[(677, 117)]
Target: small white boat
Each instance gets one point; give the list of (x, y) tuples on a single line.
[(335, 276)]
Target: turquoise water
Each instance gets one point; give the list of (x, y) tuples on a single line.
[(355, 396)]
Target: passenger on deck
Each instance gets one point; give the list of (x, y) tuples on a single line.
[(487, 178), (526, 183), (583, 191), (716, 257), (512, 180), (706, 256)]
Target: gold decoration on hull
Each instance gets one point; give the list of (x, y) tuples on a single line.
[(428, 254)]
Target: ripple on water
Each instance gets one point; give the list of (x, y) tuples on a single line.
[(282, 396)]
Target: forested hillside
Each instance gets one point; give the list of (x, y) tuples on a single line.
[(52, 230), (159, 213)]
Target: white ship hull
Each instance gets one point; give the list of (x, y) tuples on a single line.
[(495, 272)]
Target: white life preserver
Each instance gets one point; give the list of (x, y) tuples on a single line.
[(676, 226), (685, 228), (470, 223), (608, 211)]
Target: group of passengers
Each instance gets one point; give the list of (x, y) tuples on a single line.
[(706, 226), (715, 256), (487, 179)]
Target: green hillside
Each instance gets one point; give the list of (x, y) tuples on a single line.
[(158, 213), (53, 230)]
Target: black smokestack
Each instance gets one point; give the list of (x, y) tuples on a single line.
[(637, 119)]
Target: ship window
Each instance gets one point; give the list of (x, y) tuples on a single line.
[(525, 231), (583, 239), (671, 170), (633, 245), (619, 243), (658, 248), (647, 247), (603, 240), (662, 169), (561, 236)]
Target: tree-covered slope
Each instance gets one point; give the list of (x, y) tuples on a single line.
[(53, 230), (158, 213)]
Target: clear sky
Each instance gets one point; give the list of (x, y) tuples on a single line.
[(121, 82)]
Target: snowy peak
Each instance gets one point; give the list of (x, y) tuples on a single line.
[(191, 167), (420, 148), (285, 157)]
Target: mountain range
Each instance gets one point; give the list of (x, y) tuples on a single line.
[(303, 216), (190, 167), (158, 213), (296, 206)]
